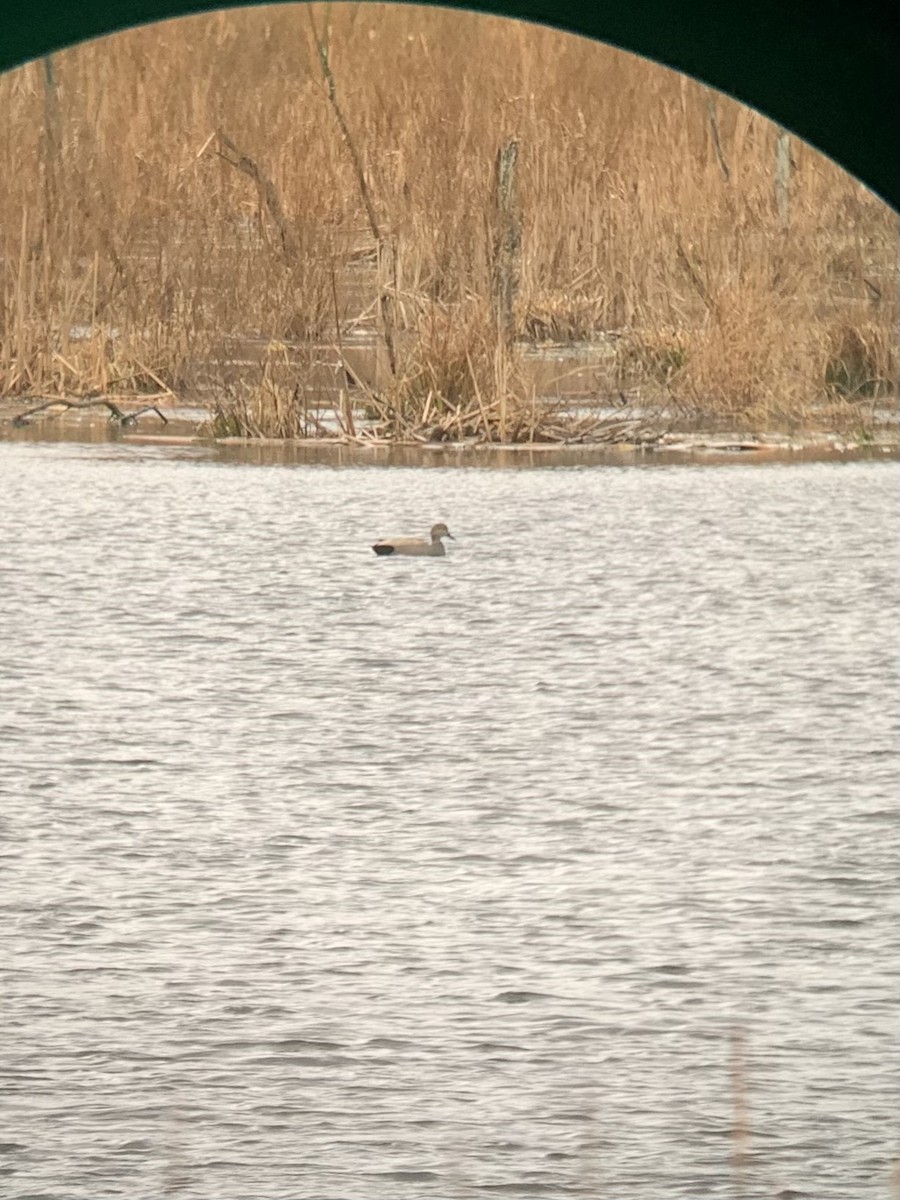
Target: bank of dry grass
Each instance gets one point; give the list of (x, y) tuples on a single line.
[(136, 248)]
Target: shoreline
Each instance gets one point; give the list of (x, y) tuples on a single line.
[(343, 451)]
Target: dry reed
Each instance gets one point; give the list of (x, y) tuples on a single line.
[(173, 191)]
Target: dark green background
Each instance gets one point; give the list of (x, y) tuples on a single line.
[(825, 69)]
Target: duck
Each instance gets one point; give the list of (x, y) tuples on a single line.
[(422, 547)]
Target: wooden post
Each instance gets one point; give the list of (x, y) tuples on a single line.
[(783, 177), (507, 239)]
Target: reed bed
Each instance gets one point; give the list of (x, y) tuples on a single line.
[(293, 177)]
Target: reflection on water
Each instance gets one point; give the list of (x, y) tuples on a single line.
[(183, 436), (561, 866)]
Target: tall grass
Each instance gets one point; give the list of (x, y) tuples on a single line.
[(136, 252)]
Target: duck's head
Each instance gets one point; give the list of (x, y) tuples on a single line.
[(441, 531)]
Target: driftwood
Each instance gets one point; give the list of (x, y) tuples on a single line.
[(125, 420)]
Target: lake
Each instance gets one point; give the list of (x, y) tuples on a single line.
[(563, 866)]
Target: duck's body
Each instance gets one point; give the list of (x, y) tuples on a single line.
[(421, 547)]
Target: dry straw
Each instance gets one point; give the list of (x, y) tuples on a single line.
[(182, 202)]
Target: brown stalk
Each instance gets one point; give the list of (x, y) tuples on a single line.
[(694, 275), (384, 299), (268, 193), (717, 141), (166, 391), (485, 423), (348, 409)]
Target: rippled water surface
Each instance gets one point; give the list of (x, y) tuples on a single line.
[(565, 865)]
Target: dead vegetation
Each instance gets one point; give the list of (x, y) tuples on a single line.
[(298, 176)]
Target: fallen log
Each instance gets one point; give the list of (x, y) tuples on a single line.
[(125, 420)]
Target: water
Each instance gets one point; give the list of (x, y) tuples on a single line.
[(563, 866)]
